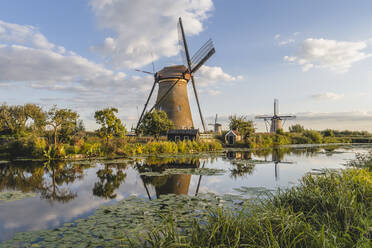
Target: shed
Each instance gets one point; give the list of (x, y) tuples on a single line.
[(232, 136), (183, 134)]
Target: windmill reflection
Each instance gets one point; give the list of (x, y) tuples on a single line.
[(244, 165), (168, 184)]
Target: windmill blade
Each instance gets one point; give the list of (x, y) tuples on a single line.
[(163, 97), (147, 102), (202, 55), (189, 67), (197, 101), (263, 117), (181, 43), (276, 106), (147, 72), (287, 117)]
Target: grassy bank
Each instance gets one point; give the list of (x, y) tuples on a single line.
[(330, 210), (267, 140), (90, 147)]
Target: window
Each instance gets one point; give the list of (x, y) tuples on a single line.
[(179, 108), (177, 138), (186, 138)]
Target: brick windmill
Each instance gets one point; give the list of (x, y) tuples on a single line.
[(172, 80), (275, 121)]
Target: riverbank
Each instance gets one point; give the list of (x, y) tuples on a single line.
[(327, 209), (37, 148)]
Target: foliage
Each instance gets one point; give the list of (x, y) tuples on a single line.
[(314, 136), (15, 120), (297, 128), (241, 123), (111, 125), (361, 161), (333, 210), (58, 119), (155, 123), (14, 196)]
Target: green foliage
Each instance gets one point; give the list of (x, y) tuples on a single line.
[(61, 119), (241, 123), (155, 123), (17, 120), (314, 136), (361, 161), (111, 125), (332, 210), (297, 128)]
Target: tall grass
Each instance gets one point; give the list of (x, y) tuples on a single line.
[(331, 210)]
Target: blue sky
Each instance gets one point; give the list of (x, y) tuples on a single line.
[(314, 56)]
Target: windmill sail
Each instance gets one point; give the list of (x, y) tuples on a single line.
[(181, 43), (202, 55)]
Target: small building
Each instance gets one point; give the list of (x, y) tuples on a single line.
[(232, 136), (183, 134)]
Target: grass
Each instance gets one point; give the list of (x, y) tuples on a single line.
[(331, 210)]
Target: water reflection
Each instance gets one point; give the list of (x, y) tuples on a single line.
[(69, 190), (110, 177), (167, 184), (51, 180)]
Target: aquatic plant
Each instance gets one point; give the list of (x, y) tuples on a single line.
[(14, 196), (331, 210)]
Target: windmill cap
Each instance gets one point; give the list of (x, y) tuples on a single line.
[(176, 71)]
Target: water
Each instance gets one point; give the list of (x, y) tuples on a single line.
[(67, 191)]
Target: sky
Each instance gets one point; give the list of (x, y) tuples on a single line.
[(314, 56)]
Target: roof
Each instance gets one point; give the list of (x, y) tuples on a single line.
[(176, 71), (233, 132), (184, 131)]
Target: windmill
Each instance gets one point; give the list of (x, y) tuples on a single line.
[(217, 127), (172, 80), (276, 119)]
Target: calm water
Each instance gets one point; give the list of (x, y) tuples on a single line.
[(66, 191)]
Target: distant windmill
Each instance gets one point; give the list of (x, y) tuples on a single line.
[(276, 119), (172, 80), (217, 127)]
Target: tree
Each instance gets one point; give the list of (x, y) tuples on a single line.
[(61, 119), (110, 124), (296, 128), (241, 123), (15, 120), (155, 123)]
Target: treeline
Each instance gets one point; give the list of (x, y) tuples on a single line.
[(297, 135), (28, 131)]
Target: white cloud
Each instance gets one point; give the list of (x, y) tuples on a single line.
[(143, 27), (210, 75), (327, 96), (333, 55), (23, 34), (286, 42), (277, 36)]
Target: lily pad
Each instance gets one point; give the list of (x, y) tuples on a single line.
[(14, 196)]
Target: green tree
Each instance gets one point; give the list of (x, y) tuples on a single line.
[(155, 123), (111, 125), (241, 123), (58, 119), (296, 128), (314, 136), (15, 120)]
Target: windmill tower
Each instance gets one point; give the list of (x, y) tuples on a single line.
[(217, 127), (275, 121), (172, 80)]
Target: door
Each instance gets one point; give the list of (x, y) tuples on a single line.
[(231, 140)]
